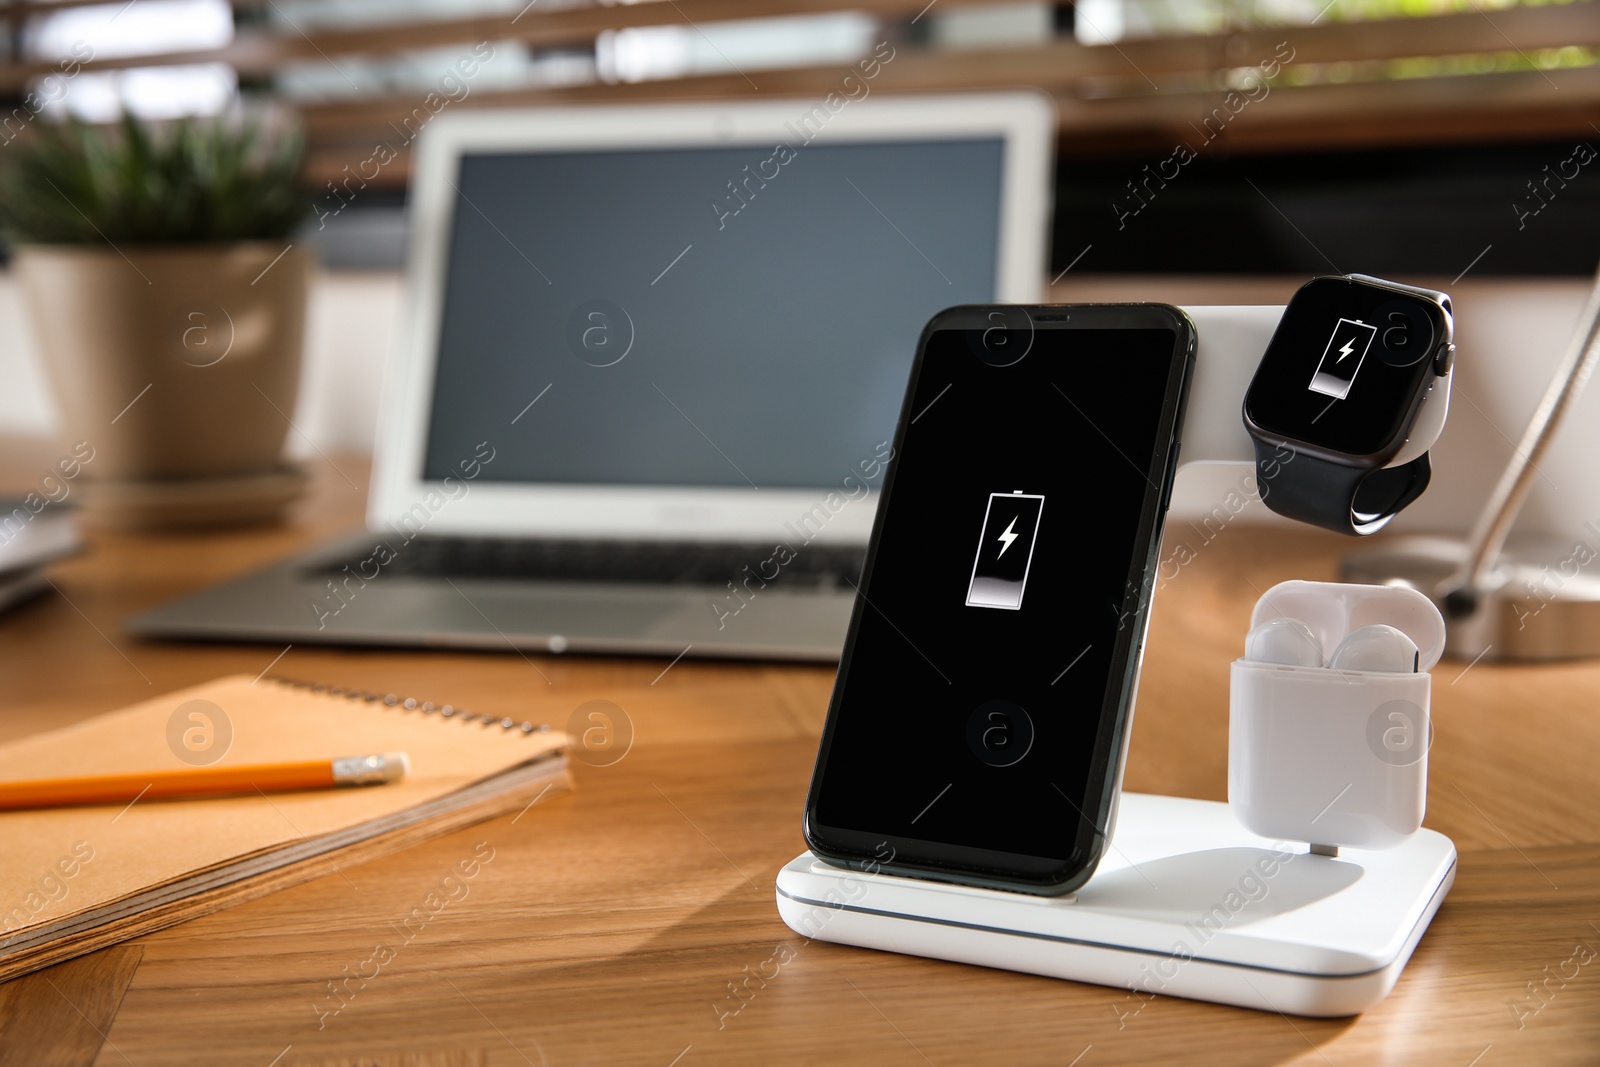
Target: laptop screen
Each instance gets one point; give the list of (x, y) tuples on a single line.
[(726, 317)]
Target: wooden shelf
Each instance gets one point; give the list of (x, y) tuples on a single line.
[(1516, 29), (1144, 96), (1136, 97), (258, 53)]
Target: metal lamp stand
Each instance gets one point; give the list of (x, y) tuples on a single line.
[(1506, 597)]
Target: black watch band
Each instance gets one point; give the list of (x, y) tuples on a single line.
[(1348, 500)]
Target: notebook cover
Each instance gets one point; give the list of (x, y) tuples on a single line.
[(67, 870)]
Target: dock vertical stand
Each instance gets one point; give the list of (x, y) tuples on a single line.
[(1186, 902)]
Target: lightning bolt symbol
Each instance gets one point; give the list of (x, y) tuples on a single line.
[(1345, 351), (1007, 537)]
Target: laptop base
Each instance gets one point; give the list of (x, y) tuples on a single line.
[(291, 602)]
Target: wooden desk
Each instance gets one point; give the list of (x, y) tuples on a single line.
[(611, 922)]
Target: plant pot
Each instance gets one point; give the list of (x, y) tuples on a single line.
[(179, 366)]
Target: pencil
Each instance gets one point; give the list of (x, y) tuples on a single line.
[(205, 781)]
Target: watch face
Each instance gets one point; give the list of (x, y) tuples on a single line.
[(1345, 367)]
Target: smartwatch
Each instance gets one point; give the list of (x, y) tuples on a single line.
[(1347, 400)]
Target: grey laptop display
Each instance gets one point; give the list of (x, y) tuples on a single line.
[(652, 369)]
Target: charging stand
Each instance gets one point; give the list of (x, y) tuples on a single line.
[(1186, 901)]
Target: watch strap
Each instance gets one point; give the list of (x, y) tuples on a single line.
[(1348, 500)]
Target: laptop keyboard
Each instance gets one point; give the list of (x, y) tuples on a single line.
[(638, 562)]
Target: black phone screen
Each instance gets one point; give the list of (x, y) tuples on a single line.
[(981, 700)]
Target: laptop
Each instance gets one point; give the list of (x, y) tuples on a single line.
[(652, 371)]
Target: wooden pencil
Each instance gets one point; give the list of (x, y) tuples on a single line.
[(205, 781)]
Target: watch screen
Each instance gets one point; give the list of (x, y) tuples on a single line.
[(1344, 367), (999, 612)]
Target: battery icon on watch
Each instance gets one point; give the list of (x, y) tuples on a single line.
[(1005, 550), (1346, 351)]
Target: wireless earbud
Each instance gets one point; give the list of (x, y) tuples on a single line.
[(1284, 641), (1376, 648)]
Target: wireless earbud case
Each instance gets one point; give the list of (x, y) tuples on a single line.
[(1327, 756)]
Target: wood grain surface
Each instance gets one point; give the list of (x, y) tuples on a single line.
[(59, 1017), (612, 923)]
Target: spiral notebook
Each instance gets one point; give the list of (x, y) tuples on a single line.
[(73, 880)]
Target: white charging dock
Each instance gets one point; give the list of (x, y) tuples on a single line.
[(1185, 902)]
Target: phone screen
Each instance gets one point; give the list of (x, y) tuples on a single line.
[(979, 710)]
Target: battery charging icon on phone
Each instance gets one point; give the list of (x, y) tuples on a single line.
[(1346, 351), (1005, 550)]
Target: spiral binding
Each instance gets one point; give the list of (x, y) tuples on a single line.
[(427, 707)]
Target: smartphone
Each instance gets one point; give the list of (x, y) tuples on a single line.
[(980, 717)]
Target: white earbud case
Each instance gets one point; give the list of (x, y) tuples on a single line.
[(1326, 756)]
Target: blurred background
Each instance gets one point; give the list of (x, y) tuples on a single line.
[(1436, 141)]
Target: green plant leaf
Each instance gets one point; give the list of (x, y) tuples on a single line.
[(190, 181)]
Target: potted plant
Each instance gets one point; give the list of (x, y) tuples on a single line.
[(169, 305)]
